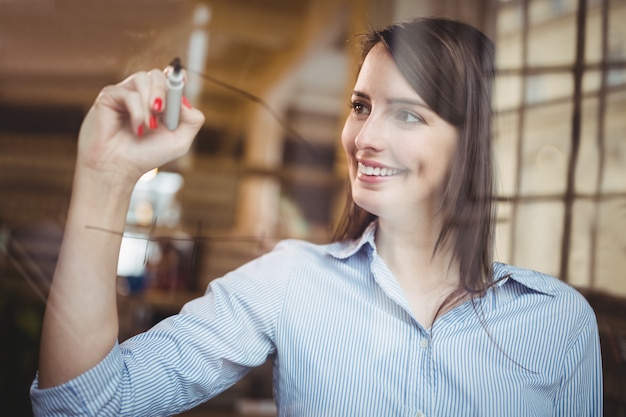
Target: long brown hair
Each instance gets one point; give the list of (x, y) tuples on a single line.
[(450, 65)]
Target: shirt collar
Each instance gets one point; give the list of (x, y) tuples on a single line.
[(344, 250), (530, 279)]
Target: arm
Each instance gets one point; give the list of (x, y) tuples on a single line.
[(188, 357), (115, 148), (580, 393)]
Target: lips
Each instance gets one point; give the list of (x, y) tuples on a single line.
[(376, 171)]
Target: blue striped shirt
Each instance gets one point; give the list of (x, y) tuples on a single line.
[(344, 343)]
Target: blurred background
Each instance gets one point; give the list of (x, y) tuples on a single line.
[(255, 176)]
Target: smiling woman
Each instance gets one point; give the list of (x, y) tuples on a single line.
[(405, 313), (391, 129), (436, 104)]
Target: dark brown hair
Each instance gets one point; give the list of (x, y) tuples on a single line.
[(450, 65)]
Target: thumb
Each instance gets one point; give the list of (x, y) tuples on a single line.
[(191, 119)]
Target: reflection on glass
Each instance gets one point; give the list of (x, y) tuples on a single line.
[(503, 233), (539, 235), (546, 148), (610, 259), (614, 177), (545, 87), (552, 33), (546, 11), (507, 92), (505, 152), (616, 77), (591, 82), (509, 18), (593, 33), (588, 152), (581, 244)]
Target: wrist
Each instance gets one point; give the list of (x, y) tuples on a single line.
[(100, 201)]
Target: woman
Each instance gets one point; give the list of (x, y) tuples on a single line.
[(404, 314)]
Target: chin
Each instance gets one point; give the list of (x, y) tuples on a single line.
[(367, 203)]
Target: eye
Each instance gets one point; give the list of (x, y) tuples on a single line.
[(407, 116), (359, 108)]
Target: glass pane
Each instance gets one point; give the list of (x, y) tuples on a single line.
[(547, 138), (617, 41), (617, 30), (616, 77), (545, 87), (509, 19), (503, 237), (593, 41), (610, 261), (547, 11), (580, 244), (509, 36), (552, 33), (539, 227), (614, 179), (588, 153), (591, 81), (507, 92), (509, 51), (505, 153)]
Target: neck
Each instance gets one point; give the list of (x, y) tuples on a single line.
[(409, 253), (427, 280)]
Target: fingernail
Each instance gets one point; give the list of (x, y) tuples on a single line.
[(153, 122), (157, 105), (140, 131), (186, 102)]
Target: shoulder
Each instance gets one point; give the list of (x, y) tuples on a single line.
[(287, 258), (531, 305), (302, 247), (305, 251), (534, 280), (545, 292), (285, 253)]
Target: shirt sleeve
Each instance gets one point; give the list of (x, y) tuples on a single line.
[(188, 358), (580, 393), (66, 399)]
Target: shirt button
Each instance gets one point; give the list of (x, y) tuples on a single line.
[(420, 414), (423, 345)]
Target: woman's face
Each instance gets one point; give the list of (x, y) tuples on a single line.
[(399, 151)]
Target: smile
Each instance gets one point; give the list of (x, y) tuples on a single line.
[(377, 171)]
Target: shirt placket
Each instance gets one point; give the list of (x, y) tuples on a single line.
[(422, 373), (425, 375)]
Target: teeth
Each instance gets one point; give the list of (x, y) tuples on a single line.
[(382, 172)]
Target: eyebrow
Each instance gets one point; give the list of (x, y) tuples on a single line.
[(405, 101)]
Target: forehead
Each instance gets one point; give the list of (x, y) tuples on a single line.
[(379, 74)]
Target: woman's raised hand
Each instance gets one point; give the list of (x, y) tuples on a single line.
[(123, 137)]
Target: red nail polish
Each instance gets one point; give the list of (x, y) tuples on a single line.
[(140, 131), (186, 102), (153, 122), (157, 105)]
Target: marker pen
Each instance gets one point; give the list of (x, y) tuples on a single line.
[(174, 94)]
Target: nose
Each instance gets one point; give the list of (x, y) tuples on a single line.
[(371, 135)]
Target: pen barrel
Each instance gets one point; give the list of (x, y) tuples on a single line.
[(174, 85)]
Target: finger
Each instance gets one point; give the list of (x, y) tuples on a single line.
[(151, 88), (191, 119), (190, 122), (157, 91), (126, 103), (141, 83)]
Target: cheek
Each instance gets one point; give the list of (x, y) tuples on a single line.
[(348, 135)]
